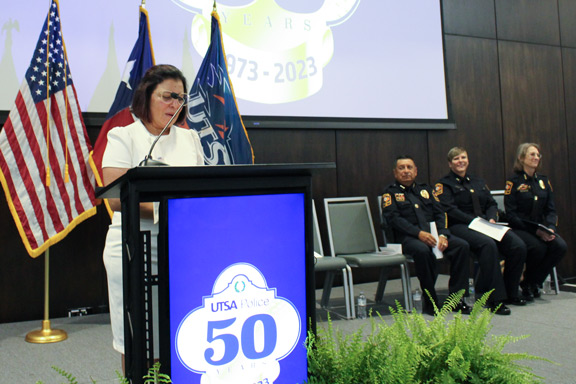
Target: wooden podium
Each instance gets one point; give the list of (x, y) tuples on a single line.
[(162, 184)]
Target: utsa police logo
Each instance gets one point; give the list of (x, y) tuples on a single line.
[(241, 331)]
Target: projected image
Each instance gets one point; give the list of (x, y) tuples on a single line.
[(292, 58), (275, 54)]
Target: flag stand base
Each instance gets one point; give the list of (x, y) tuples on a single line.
[(46, 334)]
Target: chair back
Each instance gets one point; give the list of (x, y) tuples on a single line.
[(350, 225), (387, 233), (317, 238), (498, 195)]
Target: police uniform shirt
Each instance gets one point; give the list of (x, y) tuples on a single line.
[(529, 198), (408, 210), (457, 196)]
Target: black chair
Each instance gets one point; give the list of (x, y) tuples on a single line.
[(352, 237), (332, 266)]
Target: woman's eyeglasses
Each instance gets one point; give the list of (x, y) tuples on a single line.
[(168, 97)]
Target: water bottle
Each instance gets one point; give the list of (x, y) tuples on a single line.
[(547, 286), (417, 301), (361, 311), (471, 299)]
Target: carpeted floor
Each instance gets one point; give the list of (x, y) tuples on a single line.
[(87, 354)]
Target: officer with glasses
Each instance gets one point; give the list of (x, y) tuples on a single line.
[(530, 211)]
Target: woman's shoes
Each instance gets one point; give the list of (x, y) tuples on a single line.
[(463, 308), (499, 309), (530, 291), (519, 301)]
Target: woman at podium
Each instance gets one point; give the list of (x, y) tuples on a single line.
[(154, 137)]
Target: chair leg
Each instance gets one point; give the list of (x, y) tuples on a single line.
[(346, 276), (406, 287), (555, 277), (351, 290), (328, 282), (382, 284)]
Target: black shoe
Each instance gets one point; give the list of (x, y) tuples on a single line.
[(527, 294), (535, 291), (463, 308), (428, 311), (519, 301), (499, 309)]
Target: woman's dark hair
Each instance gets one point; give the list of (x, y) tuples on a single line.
[(154, 76)]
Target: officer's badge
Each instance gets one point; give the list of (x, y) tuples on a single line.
[(523, 188), (508, 189), (424, 193), (541, 184), (386, 200), (399, 197), (438, 189)]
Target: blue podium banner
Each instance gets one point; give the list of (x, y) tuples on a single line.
[(237, 283)]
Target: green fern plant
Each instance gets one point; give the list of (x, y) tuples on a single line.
[(155, 377), (413, 350), (152, 377)]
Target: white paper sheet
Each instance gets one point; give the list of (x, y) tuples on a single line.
[(495, 231), (434, 232)]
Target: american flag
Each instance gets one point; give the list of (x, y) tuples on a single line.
[(44, 148)]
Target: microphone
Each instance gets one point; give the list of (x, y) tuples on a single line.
[(148, 160)]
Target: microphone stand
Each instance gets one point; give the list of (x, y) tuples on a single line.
[(148, 160)]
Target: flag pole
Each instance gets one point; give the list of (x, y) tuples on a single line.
[(46, 334)]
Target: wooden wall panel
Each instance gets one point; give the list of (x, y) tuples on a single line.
[(568, 230), (301, 146), (475, 94), (533, 21), (77, 274), (469, 18), (567, 13), (366, 158), (533, 109), (298, 146)]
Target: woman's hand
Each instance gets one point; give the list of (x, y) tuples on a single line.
[(545, 236)]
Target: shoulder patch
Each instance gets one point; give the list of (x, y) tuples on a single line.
[(386, 200), (438, 189), (508, 189)]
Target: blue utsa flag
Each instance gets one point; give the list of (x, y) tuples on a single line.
[(212, 109)]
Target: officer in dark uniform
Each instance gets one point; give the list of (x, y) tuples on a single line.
[(466, 197), (409, 208), (530, 210)]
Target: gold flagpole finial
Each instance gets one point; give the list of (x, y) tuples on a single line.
[(214, 6), (143, 4)]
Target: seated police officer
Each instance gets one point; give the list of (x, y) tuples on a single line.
[(410, 209), (466, 197)]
